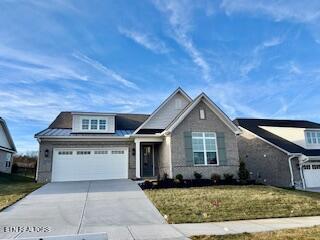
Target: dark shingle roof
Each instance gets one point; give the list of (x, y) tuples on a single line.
[(124, 121), (253, 125)]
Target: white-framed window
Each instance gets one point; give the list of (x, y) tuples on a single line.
[(85, 124), (202, 114), (312, 137), (102, 124), (93, 124), (8, 160), (204, 147)]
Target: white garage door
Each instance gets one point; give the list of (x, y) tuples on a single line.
[(89, 164), (312, 175)]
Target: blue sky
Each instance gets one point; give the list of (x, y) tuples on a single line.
[(253, 58)]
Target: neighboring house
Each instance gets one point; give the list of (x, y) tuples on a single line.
[(181, 136), (7, 148), (281, 152)]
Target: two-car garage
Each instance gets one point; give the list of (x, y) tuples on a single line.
[(79, 164), (311, 172)]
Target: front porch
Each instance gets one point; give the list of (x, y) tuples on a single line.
[(147, 157)]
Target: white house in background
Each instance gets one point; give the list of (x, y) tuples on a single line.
[(281, 152), (7, 148)]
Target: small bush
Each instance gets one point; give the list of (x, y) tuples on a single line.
[(197, 175), (228, 178), (216, 178), (146, 185), (165, 176), (243, 173), (179, 177)]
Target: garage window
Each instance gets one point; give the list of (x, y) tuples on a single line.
[(83, 152), (65, 153), (315, 166), (117, 152), (306, 167), (101, 152)]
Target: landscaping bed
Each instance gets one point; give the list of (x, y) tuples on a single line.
[(13, 188), (223, 203), (312, 233)]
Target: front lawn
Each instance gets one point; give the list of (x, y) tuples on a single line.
[(223, 203), (13, 188), (312, 233)]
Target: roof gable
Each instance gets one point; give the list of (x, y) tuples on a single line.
[(6, 141), (167, 111), (213, 107)]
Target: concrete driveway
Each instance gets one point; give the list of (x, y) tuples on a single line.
[(118, 207)]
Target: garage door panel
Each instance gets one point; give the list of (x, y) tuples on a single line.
[(89, 164), (311, 174)]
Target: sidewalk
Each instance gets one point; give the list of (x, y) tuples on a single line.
[(234, 227)]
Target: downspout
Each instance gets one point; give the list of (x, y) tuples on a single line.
[(301, 173), (290, 168)]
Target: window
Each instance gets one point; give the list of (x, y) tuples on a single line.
[(204, 147), (65, 152), (102, 124), (85, 124), (83, 152), (202, 114), (313, 137), (315, 166), (306, 167), (101, 152), (94, 124), (117, 152), (8, 160)]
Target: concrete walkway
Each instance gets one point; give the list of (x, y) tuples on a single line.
[(234, 227), (118, 208)]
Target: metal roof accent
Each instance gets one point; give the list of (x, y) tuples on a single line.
[(60, 132)]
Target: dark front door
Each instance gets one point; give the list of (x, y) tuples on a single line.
[(147, 160)]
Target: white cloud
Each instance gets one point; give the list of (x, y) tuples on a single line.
[(107, 71), (145, 40), (299, 11), (179, 14)]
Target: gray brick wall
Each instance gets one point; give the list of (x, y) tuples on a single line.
[(165, 157), (3, 157), (212, 123), (45, 164), (266, 163)]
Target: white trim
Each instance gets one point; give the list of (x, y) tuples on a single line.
[(7, 150), (203, 137), (9, 137), (92, 114), (203, 97), (179, 90)]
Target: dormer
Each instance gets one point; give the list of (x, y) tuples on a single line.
[(93, 122)]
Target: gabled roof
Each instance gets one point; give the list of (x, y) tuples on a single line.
[(8, 135), (203, 97), (253, 125), (178, 90)]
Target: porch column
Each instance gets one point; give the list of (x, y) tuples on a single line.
[(137, 158)]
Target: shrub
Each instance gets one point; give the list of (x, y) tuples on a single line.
[(179, 177), (243, 172), (228, 178), (215, 178), (197, 175), (14, 168), (146, 185), (165, 177)]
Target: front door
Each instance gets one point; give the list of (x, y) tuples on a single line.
[(147, 160)]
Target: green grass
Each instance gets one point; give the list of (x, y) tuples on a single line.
[(223, 203), (13, 188), (312, 233)]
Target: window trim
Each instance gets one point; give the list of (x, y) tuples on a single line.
[(203, 137), (98, 119), (310, 131), (204, 114)]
